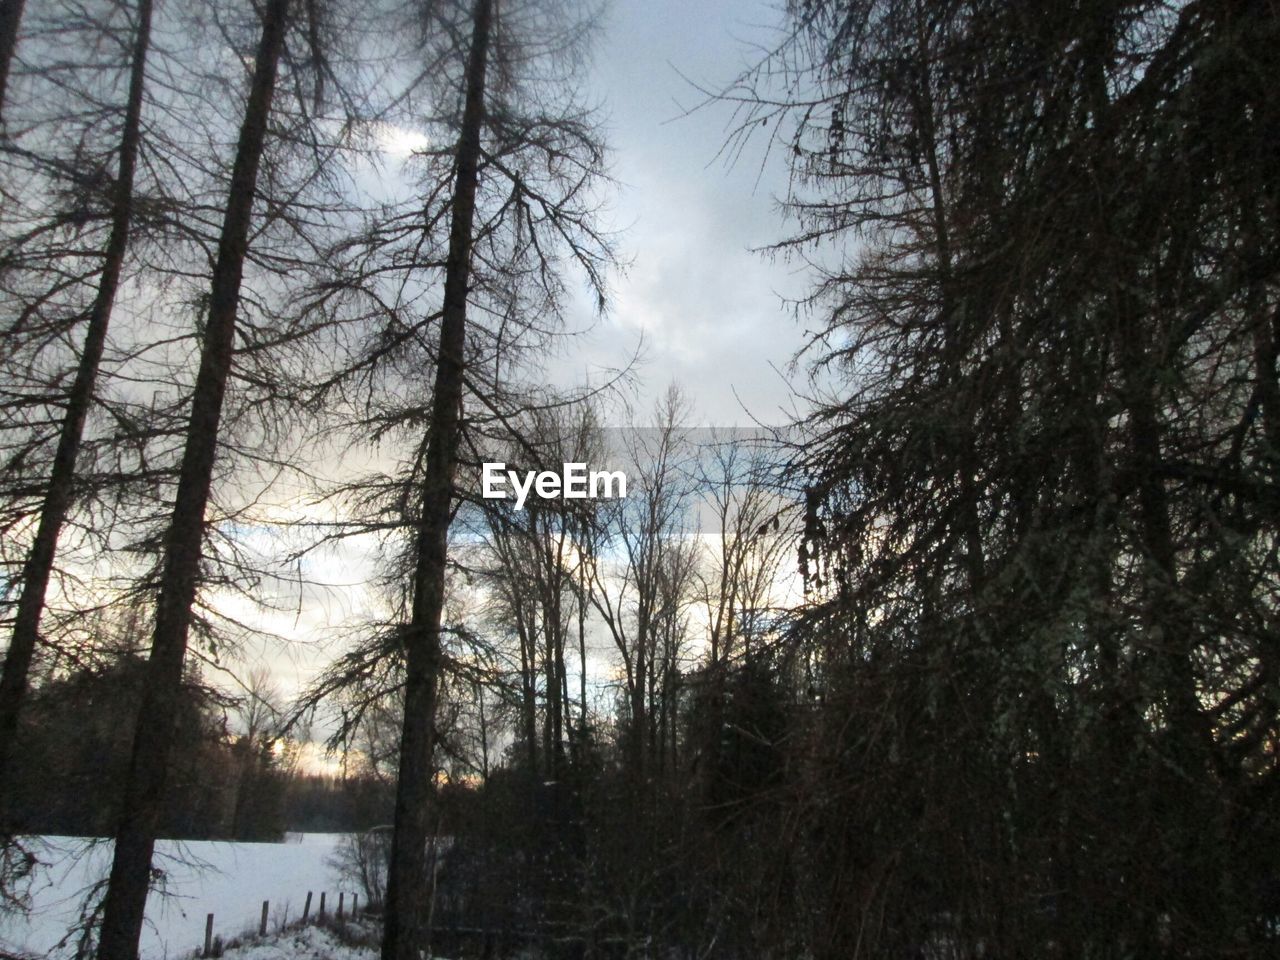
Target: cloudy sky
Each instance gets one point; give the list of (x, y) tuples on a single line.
[(710, 310), (707, 308)]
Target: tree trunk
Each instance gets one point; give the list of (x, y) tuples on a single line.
[(57, 500), (582, 644), (144, 791), (478, 692), (529, 696), (566, 708), (406, 876), (551, 729), (10, 21), (557, 575), (639, 715)]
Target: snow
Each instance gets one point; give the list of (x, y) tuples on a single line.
[(229, 880), (307, 943)]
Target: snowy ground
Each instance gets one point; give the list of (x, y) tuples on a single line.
[(229, 880), (308, 943)]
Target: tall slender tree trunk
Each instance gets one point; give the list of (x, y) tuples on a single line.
[(553, 731), (566, 701), (478, 692), (582, 644), (529, 691), (10, 21), (406, 876), (639, 679), (550, 687), (639, 715), (561, 716), (144, 790), (581, 529), (58, 495)]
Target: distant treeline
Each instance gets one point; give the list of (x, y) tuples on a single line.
[(73, 751)]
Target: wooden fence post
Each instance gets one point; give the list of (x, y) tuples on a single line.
[(262, 927), (306, 910), (355, 898), (341, 897), (208, 935), (321, 913)]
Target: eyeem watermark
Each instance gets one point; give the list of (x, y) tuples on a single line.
[(574, 482)]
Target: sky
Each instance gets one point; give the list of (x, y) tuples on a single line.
[(709, 309), (706, 309)]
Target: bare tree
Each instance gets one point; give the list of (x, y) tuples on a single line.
[(263, 741), (131, 867), (465, 280), (642, 530), (740, 583), (58, 492), (532, 565)]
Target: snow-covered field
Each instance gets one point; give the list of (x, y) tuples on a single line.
[(308, 943), (229, 880)]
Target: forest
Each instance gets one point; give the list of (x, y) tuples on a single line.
[(974, 653)]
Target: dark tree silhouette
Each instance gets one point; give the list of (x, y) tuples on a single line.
[(135, 837), (406, 871), (58, 492)]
